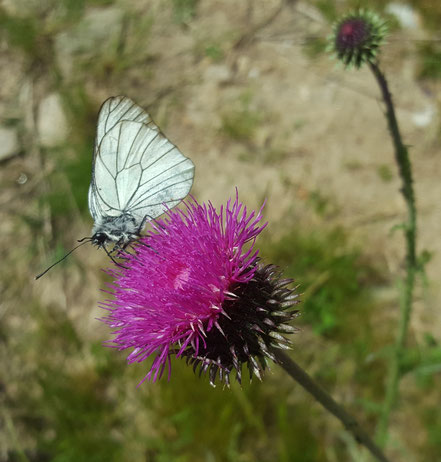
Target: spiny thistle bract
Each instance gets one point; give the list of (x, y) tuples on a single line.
[(195, 288), (357, 37)]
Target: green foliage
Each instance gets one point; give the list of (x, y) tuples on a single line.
[(80, 412), (87, 408), (375, 5), (71, 10), (385, 173), (33, 32), (321, 204), (55, 329), (214, 52), (426, 364), (69, 184), (123, 51), (272, 156), (241, 123), (430, 11), (201, 423), (330, 275), (134, 40), (184, 10), (430, 61), (432, 421), (328, 9), (315, 46), (70, 410), (74, 160), (20, 32), (292, 448), (99, 2)]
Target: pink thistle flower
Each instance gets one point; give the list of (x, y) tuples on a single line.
[(191, 289)]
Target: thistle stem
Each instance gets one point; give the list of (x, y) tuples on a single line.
[(303, 379), (405, 172)]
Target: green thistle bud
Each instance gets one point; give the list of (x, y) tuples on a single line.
[(357, 37)]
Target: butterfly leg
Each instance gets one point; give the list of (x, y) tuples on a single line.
[(145, 220), (109, 254)]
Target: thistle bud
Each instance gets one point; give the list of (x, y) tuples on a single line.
[(357, 37)]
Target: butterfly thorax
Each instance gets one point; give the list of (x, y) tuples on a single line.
[(120, 229)]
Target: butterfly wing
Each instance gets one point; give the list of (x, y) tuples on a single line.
[(113, 111), (137, 170), (116, 109)]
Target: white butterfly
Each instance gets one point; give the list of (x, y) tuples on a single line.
[(137, 174)]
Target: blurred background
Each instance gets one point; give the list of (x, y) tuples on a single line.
[(245, 90)]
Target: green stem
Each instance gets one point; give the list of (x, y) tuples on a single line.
[(301, 377), (405, 171), (14, 439)]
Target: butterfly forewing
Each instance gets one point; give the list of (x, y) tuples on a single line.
[(113, 111), (116, 109), (137, 171)]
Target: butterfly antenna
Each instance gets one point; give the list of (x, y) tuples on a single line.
[(84, 239), (82, 242)]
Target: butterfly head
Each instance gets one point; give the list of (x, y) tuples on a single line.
[(120, 230), (100, 239)]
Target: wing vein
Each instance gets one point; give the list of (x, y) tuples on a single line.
[(131, 147), (108, 115), (178, 199), (164, 171), (159, 158), (150, 142), (116, 166), (135, 205), (105, 202), (141, 197)]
